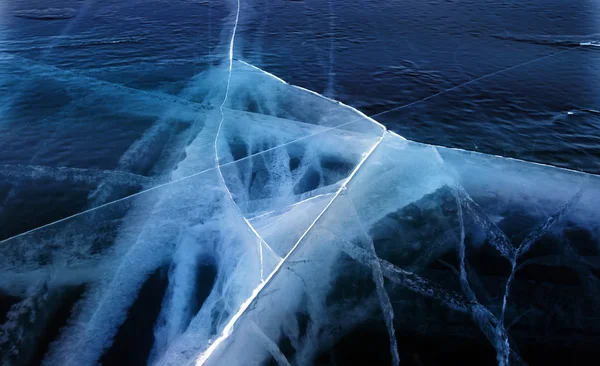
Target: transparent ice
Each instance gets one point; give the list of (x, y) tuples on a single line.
[(309, 201), (280, 221)]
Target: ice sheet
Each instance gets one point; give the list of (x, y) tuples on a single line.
[(468, 245), (280, 171), (247, 221)]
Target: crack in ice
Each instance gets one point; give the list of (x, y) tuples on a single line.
[(410, 280), (497, 238), (260, 253), (474, 81), (487, 322), (270, 346), (182, 179), (228, 329), (160, 97), (528, 241), (384, 298), (285, 210), (229, 71)]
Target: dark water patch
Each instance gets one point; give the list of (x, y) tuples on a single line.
[(57, 321), (334, 169), (45, 14), (367, 344), (303, 323), (284, 344), (238, 148), (554, 275), (582, 239), (295, 163), (135, 337), (34, 204), (571, 240), (6, 301), (253, 107), (487, 261), (206, 274), (35, 322), (370, 344), (419, 231), (568, 353), (420, 350), (353, 285), (516, 224), (309, 181), (552, 40)]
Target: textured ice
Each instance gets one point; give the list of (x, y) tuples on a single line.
[(278, 167), (303, 222), (255, 222), (431, 221)]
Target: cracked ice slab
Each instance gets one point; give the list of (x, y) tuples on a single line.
[(150, 131), (287, 176), (411, 215), (294, 169), (140, 139), (255, 90), (358, 229), (121, 245)]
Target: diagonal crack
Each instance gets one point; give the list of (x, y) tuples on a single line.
[(229, 327), (535, 234), (176, 181), (270, 346), (218, 167), (476, 80), (496, 236), (410, 280), (487, 322), (384, 298)]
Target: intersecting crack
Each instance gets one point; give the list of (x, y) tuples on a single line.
[(270, 346), (229, 327), (384, 298), (530, 239)]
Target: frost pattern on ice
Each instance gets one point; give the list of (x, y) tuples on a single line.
[(281, 169), (281, 221), (412, 180)]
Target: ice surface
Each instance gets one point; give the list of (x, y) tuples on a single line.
[(282, 166), (430, 221), (261, 222)]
